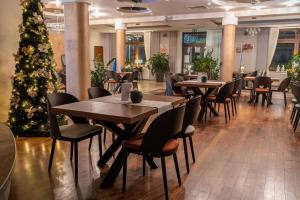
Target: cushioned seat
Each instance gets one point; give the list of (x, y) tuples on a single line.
[(235, 95), (228, 100), (294, 100), (212, 98), (262, 90), (76, 131), (134, 144)]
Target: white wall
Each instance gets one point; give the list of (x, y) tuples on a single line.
[(249, 56), (9, 38)]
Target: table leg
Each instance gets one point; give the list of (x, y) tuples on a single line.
[(110, 151), (204, 103)]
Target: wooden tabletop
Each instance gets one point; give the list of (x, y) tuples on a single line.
[(118, 113), (252, 78), (199, 84), (7, 156)]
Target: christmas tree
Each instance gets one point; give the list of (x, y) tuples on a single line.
[(35, 74)]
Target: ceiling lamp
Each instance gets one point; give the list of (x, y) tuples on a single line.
[(57, 3), (252, 31), (133, 9)]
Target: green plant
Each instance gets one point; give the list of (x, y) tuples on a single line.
[(159, 65), (98, 75), (207, 63), (293, 67)]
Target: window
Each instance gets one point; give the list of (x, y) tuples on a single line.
[(288, 44), (193, 46), (135, 49)]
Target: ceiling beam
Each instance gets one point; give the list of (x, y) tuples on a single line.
[(209, 15)]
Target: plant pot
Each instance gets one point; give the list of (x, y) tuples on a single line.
[(136, 96), (160, 77)]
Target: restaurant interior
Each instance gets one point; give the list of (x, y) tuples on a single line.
[(150, 99)]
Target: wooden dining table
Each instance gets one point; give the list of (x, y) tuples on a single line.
[(209, 87), (111, 115)]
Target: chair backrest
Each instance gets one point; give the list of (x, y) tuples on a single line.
[(296, 91), (237, 85), (192, 109), (225, 92), (57, 99), (253, 74), (111, 75), (262, 81), (162, 129), (284, 84), (95, 92)]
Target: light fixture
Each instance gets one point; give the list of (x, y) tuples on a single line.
[(227, 8), (252, 31), (95, 12)]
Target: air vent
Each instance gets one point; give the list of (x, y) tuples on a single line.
[(133, 9), (200, 7)]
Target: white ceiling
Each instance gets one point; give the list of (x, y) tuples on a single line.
[(180, 14)]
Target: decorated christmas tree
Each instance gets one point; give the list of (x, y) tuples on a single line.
[(35, 74)]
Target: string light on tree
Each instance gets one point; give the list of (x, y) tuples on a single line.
[(34, 76)]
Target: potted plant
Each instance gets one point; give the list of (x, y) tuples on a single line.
[(208, 64), (98, 75), (159, 65)]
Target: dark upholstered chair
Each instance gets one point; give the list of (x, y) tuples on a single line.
[(192, 110), (283, 87), (96, 92), (223, 97), (262, 86), (159, 142), (77, 132), (236, 94)]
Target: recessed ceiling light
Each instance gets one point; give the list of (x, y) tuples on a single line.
[(227, 8), (55, 2)]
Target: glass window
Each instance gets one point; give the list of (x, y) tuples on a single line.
[(135, 49), (287, 34), (193, 46), (283, 53)]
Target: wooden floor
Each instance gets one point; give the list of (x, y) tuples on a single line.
[(256, 156)]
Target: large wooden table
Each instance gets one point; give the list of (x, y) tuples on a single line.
[(209, 87), (110, 115)]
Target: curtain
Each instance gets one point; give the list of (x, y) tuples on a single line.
[(147, 47), (262, 49), (155, 42), (109, 47), (172, 50), (213, 42), (272, 43)]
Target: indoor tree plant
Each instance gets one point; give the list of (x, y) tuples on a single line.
[(208, 64), (98, 75), (159, 65)]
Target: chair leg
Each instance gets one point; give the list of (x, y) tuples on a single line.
[(225, 111), (234, 103), (51, 154), (296, 121), (177, 168), (144, 165), (228, 110), (104, 136), (100, 145), (71, 152), (91, 141), (295, 117), (232, 107), (192, 148), (124, 171), (163, 167), (285, 101), (218, 107), (293, 114), (186, 155), (76, 160)]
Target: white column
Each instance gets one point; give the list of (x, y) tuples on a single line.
[(77, 47), (120, 28), (229, 23)]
